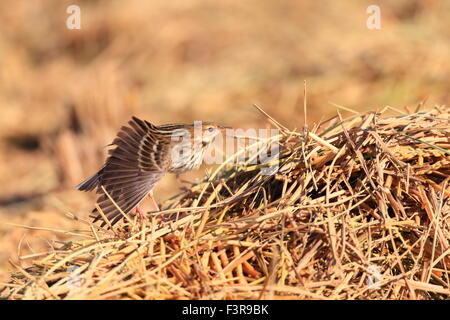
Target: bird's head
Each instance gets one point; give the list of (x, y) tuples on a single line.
[(210, 131), (199, 133)]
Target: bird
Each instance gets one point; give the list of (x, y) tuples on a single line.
[(141, 154)]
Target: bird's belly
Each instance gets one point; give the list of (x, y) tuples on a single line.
[(186, 161)]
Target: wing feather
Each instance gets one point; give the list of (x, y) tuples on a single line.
[(133, 167)]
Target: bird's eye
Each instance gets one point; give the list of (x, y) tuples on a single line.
[(211, 129)]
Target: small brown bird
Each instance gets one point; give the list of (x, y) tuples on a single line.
[(143, 153)]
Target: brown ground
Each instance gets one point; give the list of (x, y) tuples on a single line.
[(64, 93)]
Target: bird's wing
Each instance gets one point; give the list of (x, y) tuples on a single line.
[(90, 183), (133, 167)]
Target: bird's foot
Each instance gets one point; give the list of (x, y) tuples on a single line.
[(141, 215)]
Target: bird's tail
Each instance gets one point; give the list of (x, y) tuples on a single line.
[(90, 183)]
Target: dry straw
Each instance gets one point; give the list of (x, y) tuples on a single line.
[(359, 209)]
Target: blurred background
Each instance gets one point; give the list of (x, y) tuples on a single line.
[(65, 93)]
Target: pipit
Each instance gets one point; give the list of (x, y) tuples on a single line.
[(142, 154)]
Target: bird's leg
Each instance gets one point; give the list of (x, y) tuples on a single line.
[(155, 204), (141, 214)]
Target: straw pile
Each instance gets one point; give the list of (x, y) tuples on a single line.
[(359, 209)]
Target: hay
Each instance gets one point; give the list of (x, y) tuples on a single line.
[(359, 209)]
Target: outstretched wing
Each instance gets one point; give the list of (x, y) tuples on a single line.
[(133, 167), (90, 183)]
